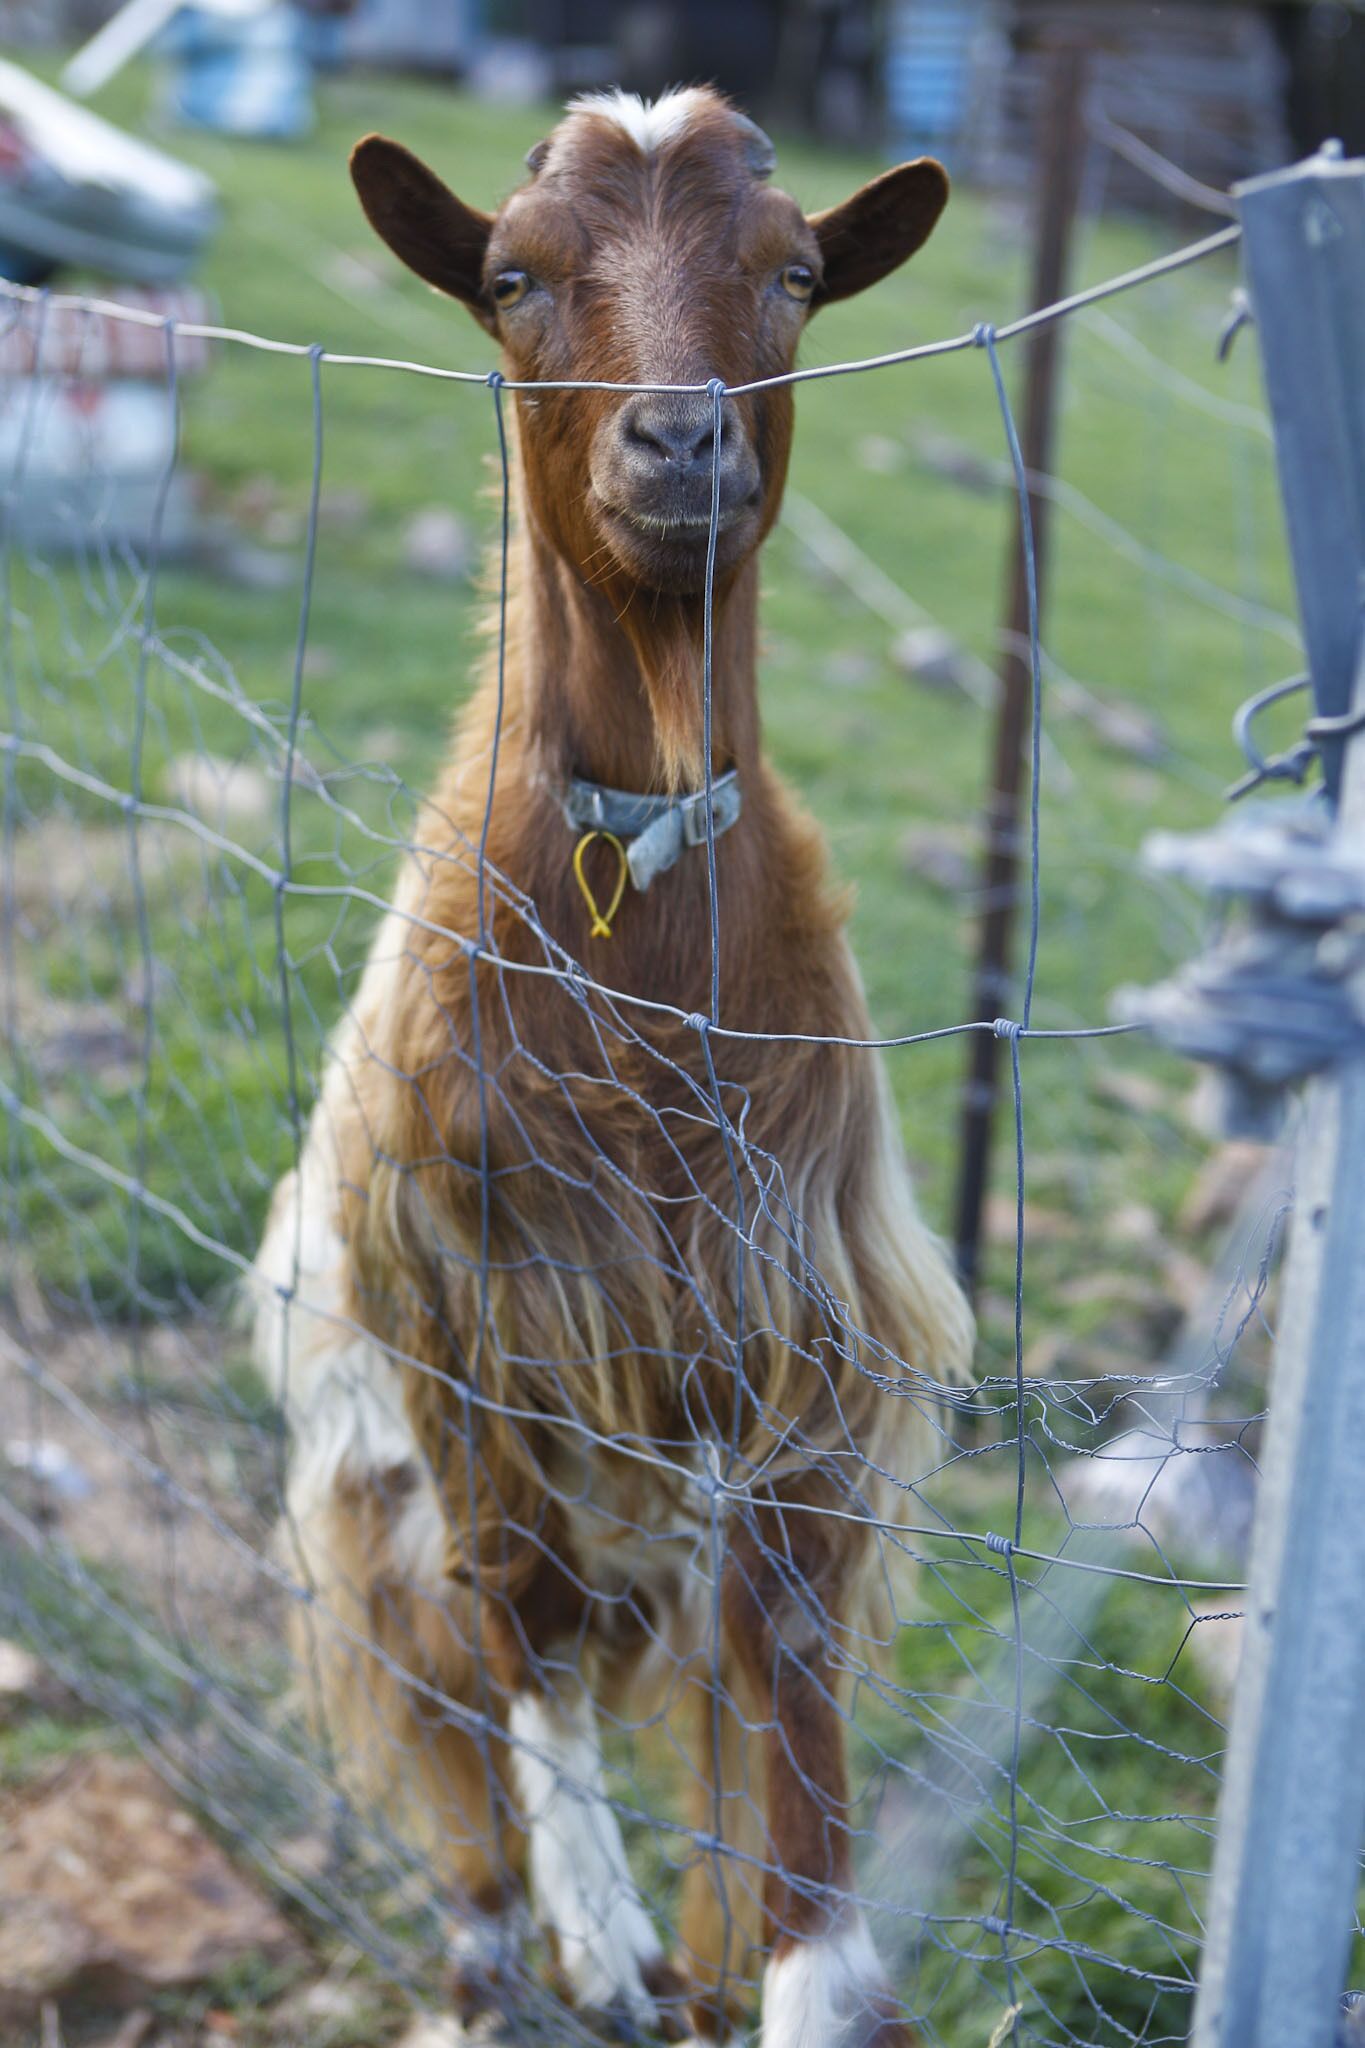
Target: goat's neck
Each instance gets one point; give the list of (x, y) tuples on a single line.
[(613, 678)]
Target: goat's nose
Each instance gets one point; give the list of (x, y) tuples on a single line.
[(678, 431)]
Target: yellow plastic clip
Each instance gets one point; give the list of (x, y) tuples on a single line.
[(601, 920)]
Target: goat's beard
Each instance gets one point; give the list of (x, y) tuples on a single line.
[(667, 637)]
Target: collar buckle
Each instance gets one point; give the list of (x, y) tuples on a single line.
[(692, 809), (655, 828)]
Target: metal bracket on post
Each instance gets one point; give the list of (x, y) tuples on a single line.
[(1281, 997)]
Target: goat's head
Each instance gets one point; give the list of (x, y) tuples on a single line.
[(646, 248)]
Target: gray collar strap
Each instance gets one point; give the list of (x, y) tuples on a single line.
[(653, 829)]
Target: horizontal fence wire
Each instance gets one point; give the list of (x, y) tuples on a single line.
[(1032, 1765), (111, 309)]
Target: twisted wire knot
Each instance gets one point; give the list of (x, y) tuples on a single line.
[(1005, 1027), (1001, 1545), (696, 1022), (983, 334)]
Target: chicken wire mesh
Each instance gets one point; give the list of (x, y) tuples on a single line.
[(192, 877)]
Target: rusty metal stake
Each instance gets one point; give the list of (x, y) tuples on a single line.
[(1061, 134)]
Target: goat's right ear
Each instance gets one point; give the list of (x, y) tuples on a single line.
[(422, 221)]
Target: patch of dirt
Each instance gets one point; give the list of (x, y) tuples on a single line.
[(136, 1455), (107, 1886)]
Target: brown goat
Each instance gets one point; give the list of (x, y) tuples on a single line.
[(601, 1367)]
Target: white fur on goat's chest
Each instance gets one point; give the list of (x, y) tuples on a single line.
[(644, 1553)]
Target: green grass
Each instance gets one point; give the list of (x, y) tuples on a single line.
[(1118, 1776), (392, 657), (200, 1113)]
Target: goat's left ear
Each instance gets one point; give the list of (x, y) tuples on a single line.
[(422, 221), (866, 237)]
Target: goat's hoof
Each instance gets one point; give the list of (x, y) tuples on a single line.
[(671, 2000), (709, 2021), (487, 1969), (660, 2016), (448, 2032)]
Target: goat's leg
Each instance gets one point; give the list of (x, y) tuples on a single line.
[(721, 1917), (388, 1681), (581, 1885), (823, 1986), (384, 1647)]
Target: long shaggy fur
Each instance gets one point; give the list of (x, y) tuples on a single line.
[(554, 1266)]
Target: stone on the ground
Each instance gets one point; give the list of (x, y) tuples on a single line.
[(355, 273), (931, 656), (1221, 1185), (88, 1039), (319, 664), (1215, 1645), (952, 459), (1106, 1288), (254, 568), (1194, 1495), (1136, 1224), (1129, 1089), (132, 2030), (107, 1885), (940, 855), (43, 1951), (254, 499), (849, 668), (223, 793), (436, 544), (1188, 1282), (880, 454), (1120, 725), (343, 506), (328, 1999), (1041, 1226), (488, 2031), (430, 2032), (49, 1466), (283, 527), (24, 1682)]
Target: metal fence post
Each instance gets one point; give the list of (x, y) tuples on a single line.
[(1292, 1814)]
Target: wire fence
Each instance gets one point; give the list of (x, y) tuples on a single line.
[(638, 1348)]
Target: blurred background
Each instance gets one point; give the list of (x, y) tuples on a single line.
[(1222, 85), (219, 598)]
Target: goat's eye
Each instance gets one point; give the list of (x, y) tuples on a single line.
[(509, 286), (798, 281)]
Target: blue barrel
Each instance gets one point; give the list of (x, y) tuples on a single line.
[(247, 77), (928, 69)]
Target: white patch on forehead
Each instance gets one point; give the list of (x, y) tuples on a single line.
[(648, 123)]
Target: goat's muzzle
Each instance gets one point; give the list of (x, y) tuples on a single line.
[(652, 465)]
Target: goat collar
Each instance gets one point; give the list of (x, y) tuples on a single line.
[(653, 829)]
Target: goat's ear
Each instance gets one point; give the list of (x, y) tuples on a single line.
[(422, 221), (866, 237)]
